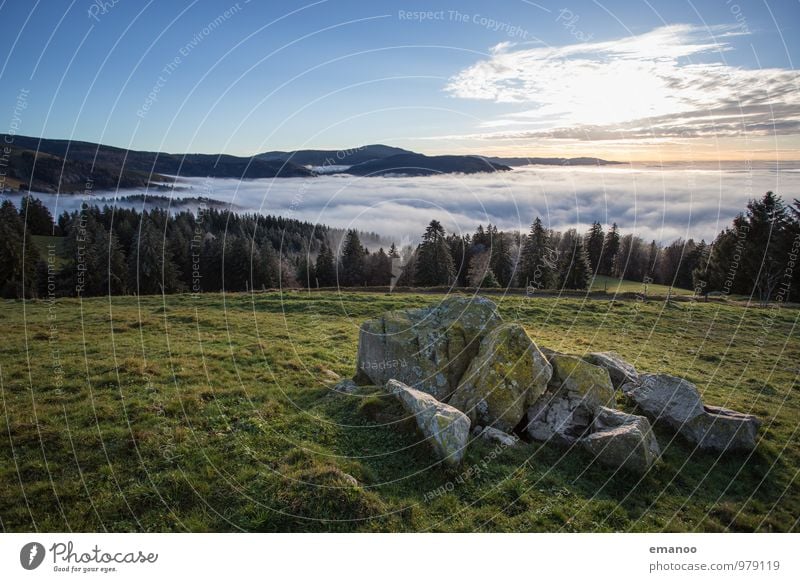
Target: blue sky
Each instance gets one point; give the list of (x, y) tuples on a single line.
[(664, 80)]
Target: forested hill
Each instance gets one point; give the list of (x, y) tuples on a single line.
[(346, 157), (64, 166), (411, 164), (57, 165)]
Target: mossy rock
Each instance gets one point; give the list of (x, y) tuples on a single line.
[(445, 428), (579, 378), (508, 374), (428, 349)]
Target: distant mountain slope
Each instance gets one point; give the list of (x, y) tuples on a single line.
[(45, 172), (420, 165), (552, 161), (107, 165), (346, 157), (59, 165)]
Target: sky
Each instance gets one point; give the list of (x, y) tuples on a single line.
[(628, 81)]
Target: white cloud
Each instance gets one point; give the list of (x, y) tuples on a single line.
[(656, 203), (669, 82)]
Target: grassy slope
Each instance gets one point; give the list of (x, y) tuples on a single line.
[(212, 414), (611, 285)]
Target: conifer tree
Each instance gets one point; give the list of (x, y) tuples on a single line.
[(326, 266), (610, 250), (352, 273), (594, 245), (574, 269), (18, 255), (767, 245), (502, 265), (37, 217), (538, 262), (434, 262), (459, 251)]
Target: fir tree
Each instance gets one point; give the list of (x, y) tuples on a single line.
[(700, 268), (151, 269), (482, 239), (594, 245), (18, 256), (608, 262), (501, 263), (434, 262), (306, 272), (378, 269), (652, 261), (538, 260), (326, 266), (352, 273), (36, 216), (767, 245), (109, 264), (459, 252), (574, 269)]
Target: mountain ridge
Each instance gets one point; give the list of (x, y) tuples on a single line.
[(421, 165), (67, 166), (349, 156), (537, 161)]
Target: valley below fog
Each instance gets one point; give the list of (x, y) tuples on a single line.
[(656, 202)]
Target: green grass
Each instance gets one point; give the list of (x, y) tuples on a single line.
[(613, 286), (214, 414)]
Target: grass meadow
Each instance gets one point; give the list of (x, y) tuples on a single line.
[(214, 413)]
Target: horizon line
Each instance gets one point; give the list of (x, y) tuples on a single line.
[(653, 161)]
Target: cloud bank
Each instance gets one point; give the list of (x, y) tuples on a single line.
[(660, 203), (671, 82)]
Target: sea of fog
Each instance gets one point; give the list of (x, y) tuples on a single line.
[(656, 202)]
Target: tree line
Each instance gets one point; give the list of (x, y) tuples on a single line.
[(111, 250)]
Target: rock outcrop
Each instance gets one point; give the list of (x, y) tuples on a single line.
[(620, 371), (676, 403), (429, 349), (721, 429), (622, 441), (456, 364), (445, 428), (578, 377), (508, 374), (565, 411)]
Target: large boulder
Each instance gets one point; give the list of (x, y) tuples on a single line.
[(622, 441), (620, 371), (564, 413), (508, 375), (445, 428), (667, 399), (589, 382), (720, 429), (676, 402), (429, 348)]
